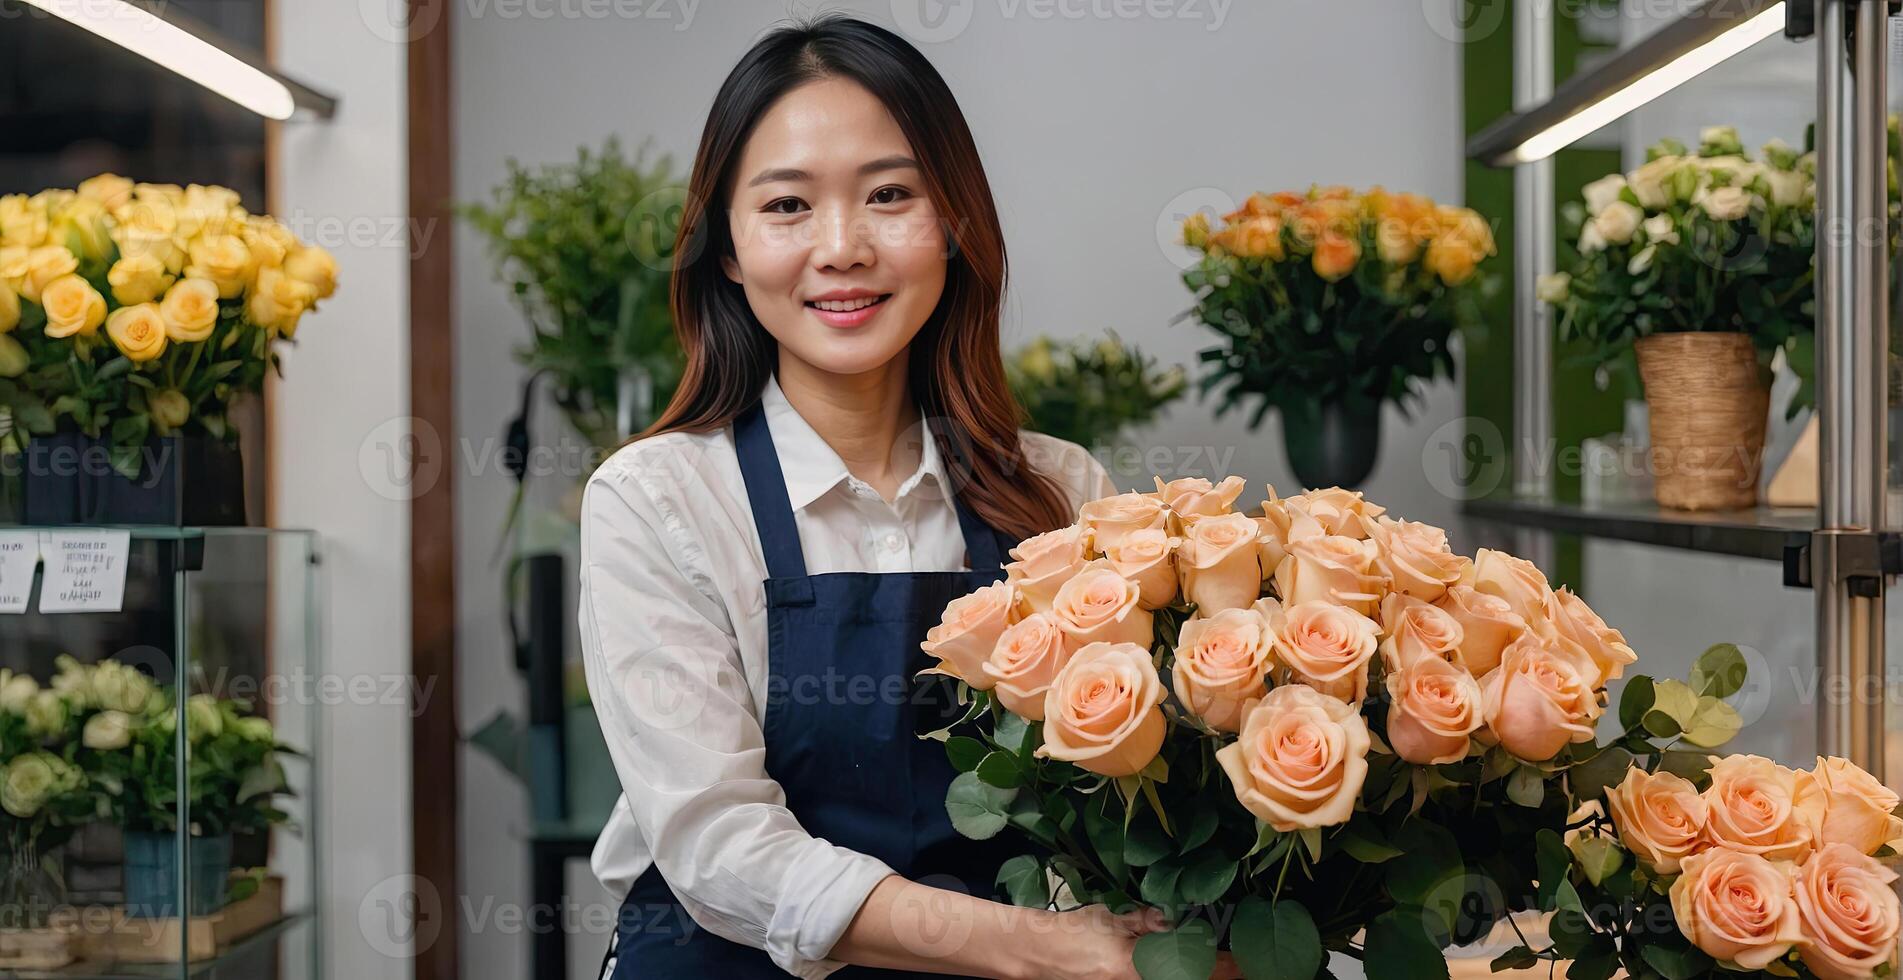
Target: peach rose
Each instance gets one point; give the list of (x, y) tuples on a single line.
[(1104, 711), (1221, 663), (1301, 759), (1100, 606), (1336, 510), (1660, 816), (1737, 907), (1762, 808), (1847, 913), (1193, 497), (969, 630), (1333, 567), (1147, 557), (1219, 563), (1487, 625), (1413, 629), (1576, 623), (1858, 810), (1518, 581), (1435, 707), (1539, 699), (1044, 562), (1325, 646), (1415, 557), (1110, 518), (1024, 662)]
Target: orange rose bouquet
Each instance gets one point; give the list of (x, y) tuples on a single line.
[(1329, 304), (1300, 728)]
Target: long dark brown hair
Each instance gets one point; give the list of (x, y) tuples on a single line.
[(955, 369)]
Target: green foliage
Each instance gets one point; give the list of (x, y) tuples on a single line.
[(586, 249), (1089, 391)]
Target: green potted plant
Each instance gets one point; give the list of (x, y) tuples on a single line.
[(1700, 265), (1331, 303), (1088, 391)]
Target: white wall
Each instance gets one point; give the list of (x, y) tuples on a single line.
[(1093, 130), (342, 184)]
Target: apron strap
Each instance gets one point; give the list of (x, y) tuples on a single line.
[(983, 551)]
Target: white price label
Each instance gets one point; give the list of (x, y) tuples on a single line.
[(85, 571), (19, 556)]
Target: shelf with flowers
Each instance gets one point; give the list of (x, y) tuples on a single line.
[(133, 318), (97, 744), (1090, 390), (1330, 304)]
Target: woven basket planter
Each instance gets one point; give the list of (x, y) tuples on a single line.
[(1709, 401)]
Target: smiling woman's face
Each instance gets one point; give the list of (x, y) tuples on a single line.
[(840, 252)]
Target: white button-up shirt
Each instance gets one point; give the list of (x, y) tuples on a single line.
[(674, 640)]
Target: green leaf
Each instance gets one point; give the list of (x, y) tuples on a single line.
[(977, 810), (1276, 942), (1187, 952), (1202, 826), (1207, 877), (964, 752), (1000, 769), (1012, 733), (1552, 860), (1673, 709), (1024, 880), (1713, 724), (1144, 842), (1687, 765), (1589, 779), (1364, 850), (1635, 701), (1312, 841), (1429, 872), (1527, 787), (1720, 671), (1685, 963), (1106, 836), (1398, 947), (1598, 857), (1162, 883), (1517, 958)]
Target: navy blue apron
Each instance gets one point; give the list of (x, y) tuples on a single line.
[(844, 712)]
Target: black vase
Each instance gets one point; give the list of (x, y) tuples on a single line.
[(1332, 443), (192, 480)]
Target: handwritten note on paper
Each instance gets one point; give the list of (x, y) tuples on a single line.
[(19, 556), (85, 571)]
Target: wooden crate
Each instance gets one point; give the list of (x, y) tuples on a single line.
[(129, 939)]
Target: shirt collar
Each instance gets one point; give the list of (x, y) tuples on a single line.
[(811, 467)]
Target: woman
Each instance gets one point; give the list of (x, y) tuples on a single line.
[(758, 569)]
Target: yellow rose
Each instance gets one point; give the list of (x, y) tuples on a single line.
[(223, 259), (80, 224), (23, 222), (138, 331), (110, 190), (207, 212), (43, 265), (190, 310), (138, 279), (148, 226), (269, 241), (9, 308), (312, 264), (73, 307), (14, 359), (276, 301), (1301, 761), (968, 631), (1104, 710), (170, 408)]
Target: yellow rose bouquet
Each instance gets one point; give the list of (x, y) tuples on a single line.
[(1330, 303), (1315, 728), (137, 311)]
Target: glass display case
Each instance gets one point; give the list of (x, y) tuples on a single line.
[(159, 791)]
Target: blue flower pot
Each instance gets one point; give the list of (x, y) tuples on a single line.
[(151, 873)]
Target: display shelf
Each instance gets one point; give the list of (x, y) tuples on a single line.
[(1762, 533), (263, 953)]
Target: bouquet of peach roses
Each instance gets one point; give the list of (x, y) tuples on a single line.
[(1306, 730)]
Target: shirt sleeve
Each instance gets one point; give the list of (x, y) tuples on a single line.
[(665, 675)]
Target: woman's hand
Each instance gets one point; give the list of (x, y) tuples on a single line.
[(1094, 943)]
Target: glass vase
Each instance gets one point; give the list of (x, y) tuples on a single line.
[(31, 886)]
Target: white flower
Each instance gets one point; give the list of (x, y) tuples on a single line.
[(1726, 203), (1651, 184), (1590, 240), (1618, 222), (16, 692), (1603, 192), (1789, 188), (1554, 288), (106, 731), (45, 714), (1719, 140), (1779, 154), (1641, 260), (1660, 230)]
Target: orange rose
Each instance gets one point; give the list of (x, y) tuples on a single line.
[(1044, 562), (1100, 606), (1435, 707), (1660, 816), (1415, 557), (1147, 557), (1413, 629), (1219, 563), (1110, 518), (1333, 567), (1763, 808), (1104, 711), (1847, 914), (969, 630), (1487, 625), (1737, 907), (1858, 810), (1518, 581), (1576, 623), (1301, 759), (1024, 662), (1539, 699), (1335, 256), (1325, 646), (1221, 662)]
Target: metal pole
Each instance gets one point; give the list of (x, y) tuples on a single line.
[(1852, 354), (1533, 256)]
